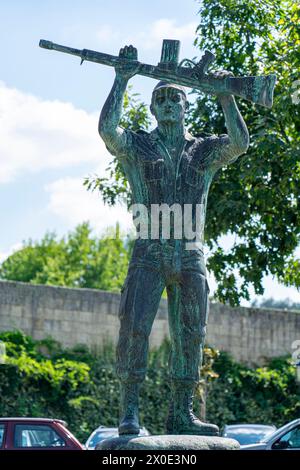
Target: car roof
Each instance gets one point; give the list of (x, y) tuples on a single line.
[(113, 429), (46, 420), (103, 428), (252, 426)]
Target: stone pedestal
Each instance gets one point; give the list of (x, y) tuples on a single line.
[(168, 442)]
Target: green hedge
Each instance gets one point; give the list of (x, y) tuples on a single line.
[(266, 395), (42, 379)]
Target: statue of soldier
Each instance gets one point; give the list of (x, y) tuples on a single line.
[(166, 166)]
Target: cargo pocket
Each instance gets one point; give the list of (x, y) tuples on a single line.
[(193, 176), (153, 170), (123, 300)]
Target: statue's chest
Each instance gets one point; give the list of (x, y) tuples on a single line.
[(172, 174)]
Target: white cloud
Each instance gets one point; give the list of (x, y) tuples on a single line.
[(165, 28), (69, 200), (36, 135), (150, 38), (107, 33)]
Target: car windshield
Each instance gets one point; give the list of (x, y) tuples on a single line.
[(247, 435), (278, 432)]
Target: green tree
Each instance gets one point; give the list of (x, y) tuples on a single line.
[(79, 260), (257, 198)]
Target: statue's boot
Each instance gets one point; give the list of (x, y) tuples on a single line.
[(129, 422), (181, 419)]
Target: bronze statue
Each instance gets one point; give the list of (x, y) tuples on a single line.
[(171, 168), (167, 165)]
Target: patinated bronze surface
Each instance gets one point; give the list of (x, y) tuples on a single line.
[(167, 166), (258, 89)]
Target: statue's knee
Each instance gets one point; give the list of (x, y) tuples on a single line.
[(198, 336), (140, 333)]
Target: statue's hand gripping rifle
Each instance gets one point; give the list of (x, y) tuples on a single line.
[(259, 90)]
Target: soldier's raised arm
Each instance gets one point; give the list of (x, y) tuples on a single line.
[(113, 135), (230, 146)]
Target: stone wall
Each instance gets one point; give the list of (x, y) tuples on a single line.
[(89, 316)]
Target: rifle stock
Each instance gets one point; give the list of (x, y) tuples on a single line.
[(258, 90)]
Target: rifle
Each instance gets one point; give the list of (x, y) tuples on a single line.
[(258, 90)]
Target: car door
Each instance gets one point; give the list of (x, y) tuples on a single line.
[(3, 433), (289, 440)]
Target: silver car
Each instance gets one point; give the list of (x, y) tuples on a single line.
[(285, 438), (248, 433), (102, 433)]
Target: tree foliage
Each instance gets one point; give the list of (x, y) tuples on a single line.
[(78, 260), (256, 199), (262, 395)]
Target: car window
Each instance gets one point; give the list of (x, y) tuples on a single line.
[(100, 436), (97, 436), (2, 428), (36, 435), (292, 438), (247, 435)]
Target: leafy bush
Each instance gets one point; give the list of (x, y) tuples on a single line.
[(266, 395)]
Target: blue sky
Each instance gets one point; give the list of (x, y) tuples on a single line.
[(49, 107)]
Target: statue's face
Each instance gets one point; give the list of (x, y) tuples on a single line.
[(168, 105)]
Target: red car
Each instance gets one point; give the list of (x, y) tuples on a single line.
[(36, 433)]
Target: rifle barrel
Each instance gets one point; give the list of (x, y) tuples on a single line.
[(259, 90), (84, 54), (57, 47)]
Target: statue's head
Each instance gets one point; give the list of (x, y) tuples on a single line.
[(169, 102)]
